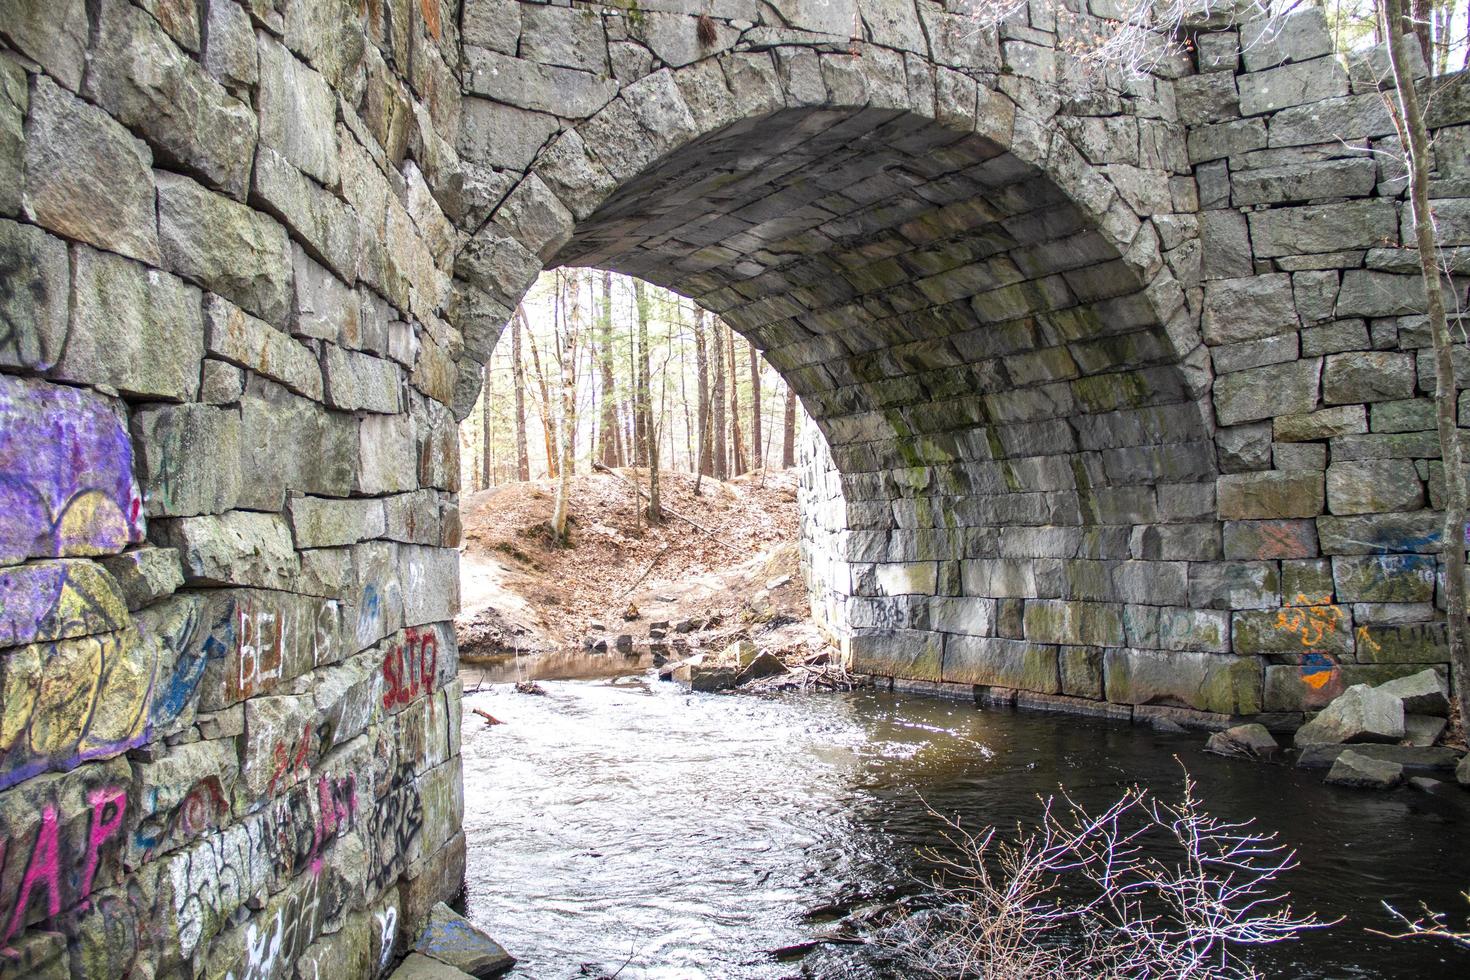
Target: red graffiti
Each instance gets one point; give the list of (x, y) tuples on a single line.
[(54, 859), (410, 667), (286, 760)]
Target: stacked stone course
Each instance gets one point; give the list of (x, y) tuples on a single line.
[(228, 477), (1120, 394)]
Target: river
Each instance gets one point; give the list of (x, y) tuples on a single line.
[(622, 824)]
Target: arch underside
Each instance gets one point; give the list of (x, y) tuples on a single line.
[(1006, 411)]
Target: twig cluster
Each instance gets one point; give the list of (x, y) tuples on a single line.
[(1142, 889)]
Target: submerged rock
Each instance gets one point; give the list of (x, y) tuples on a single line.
[(1359, 714), (1413, 758), (700, 678), (764, 665), (1246, 742), (1358, 771)]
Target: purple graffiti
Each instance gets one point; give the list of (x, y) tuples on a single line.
[(66, 473)]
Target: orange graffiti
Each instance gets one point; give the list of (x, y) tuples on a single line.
[(1311, 622)]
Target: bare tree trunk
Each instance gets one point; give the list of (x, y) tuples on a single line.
[(1452, 546), (607, 434), (650, 434), (642, 403), (701, 368), (487, 455), (717, 402), (567, 356), (518, 372), (758, 455), (788, 443), (548, 437), (684, 397), (737, 454), (1422, 17)]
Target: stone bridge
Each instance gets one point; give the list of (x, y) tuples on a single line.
[(1119, 389)]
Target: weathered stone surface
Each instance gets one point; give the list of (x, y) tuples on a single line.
[(327, 226), (86, 177), (1317, 627), (1265, 540), (1384, 578), (1251, 741), (1303, 181), (1077, 623), (995, 662), (1372, 486), (1357, 771), (453, 940), (297, 112), (1270, 495), (361, 382), (1264, 392), (237, 548), (189, 459), (135, 329), (235, 336), (323, 456), (1431, 759), (1204, 681), (142, 78), (1413, 643), (229, 44), (35, 303), (323, 522), (1248, 308), (145, 575), (53, 34), (1359, 714), (1423, 693), (903, 653), (1367, 376), (1295, 84), (1298, 36), (224, 246)]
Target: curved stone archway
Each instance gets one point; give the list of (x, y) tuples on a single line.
[(1118, 388), (979, 323)]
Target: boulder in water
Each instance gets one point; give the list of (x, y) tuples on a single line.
[(1244, 742), (1359, 714), (1358, 771)]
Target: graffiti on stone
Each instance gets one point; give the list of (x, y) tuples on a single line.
[(394, 827), (251, 640), (71, 701), (58, 600), (387, 921), (410, 667), (53, 857), (66, 473)]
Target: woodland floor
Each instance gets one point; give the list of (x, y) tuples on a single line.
[(734, 575)]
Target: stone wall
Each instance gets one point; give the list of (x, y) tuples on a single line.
[(229, 718), (1118, 389)]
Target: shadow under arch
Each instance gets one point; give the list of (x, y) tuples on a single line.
[(989, 340)]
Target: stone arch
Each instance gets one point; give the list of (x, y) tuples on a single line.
[(981, 322)]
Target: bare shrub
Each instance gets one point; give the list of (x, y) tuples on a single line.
[(1142, 889)]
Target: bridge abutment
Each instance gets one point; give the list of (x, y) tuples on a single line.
[(1120, 396)]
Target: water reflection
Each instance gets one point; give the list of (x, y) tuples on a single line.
[(614, 823)]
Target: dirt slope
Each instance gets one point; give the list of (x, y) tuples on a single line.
[(521, 591)]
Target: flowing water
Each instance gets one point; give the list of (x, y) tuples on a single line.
[(624, 824)]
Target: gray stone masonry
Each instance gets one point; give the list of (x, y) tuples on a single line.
[(1119, 398)]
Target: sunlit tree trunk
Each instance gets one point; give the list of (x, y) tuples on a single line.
[(518, 373), (788, 436), (548, 436), (717, 401), (1415, 135), (701, 370), (571, 303), (758, 446), (737, 445), (650, 434), (487, 455), (607, 433)]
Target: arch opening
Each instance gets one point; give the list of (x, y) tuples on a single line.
[(1021, 469)]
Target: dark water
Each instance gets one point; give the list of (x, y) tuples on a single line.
[(625, 824)]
